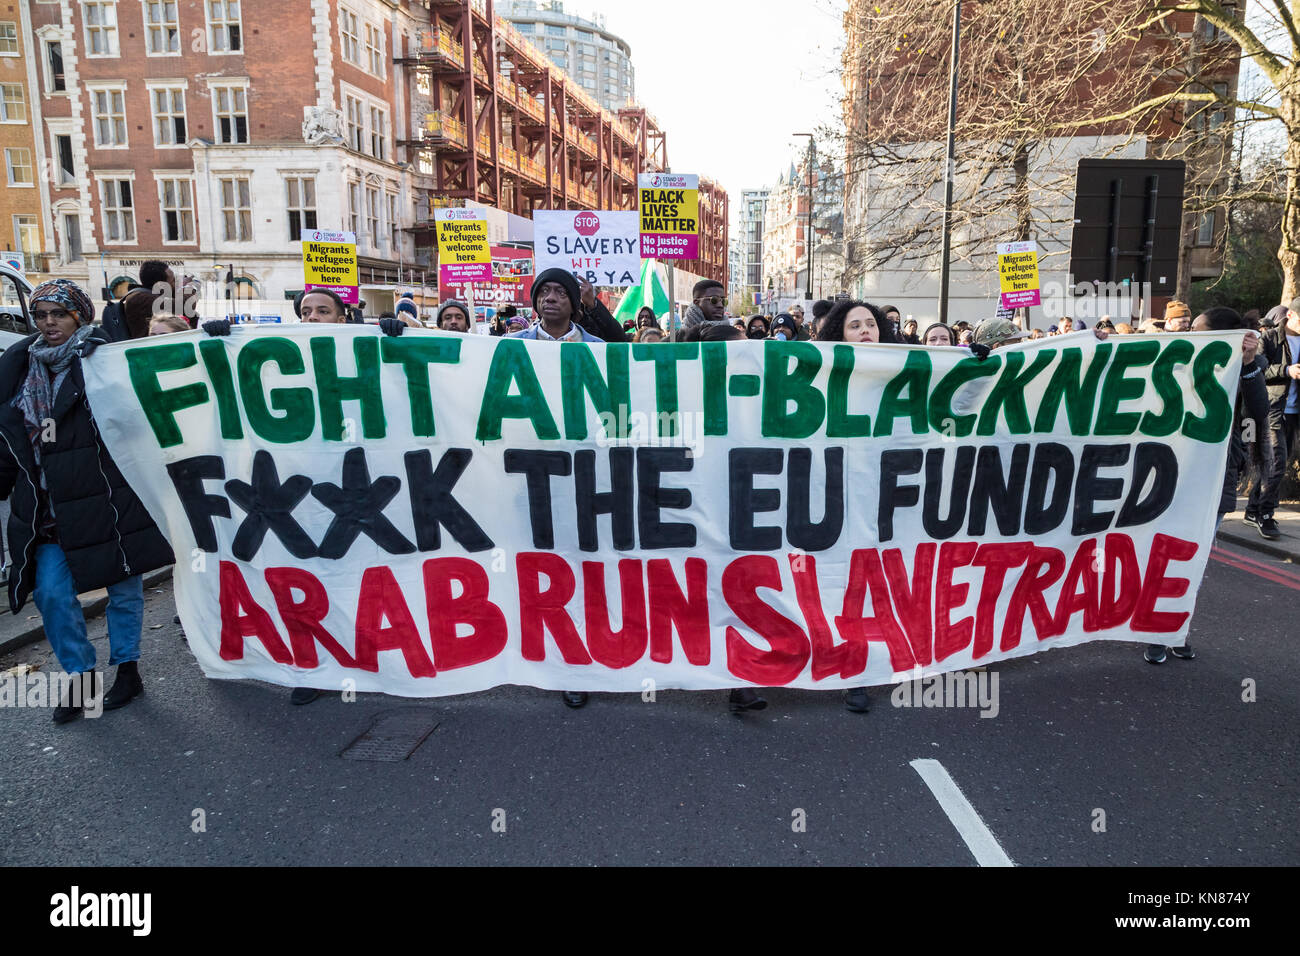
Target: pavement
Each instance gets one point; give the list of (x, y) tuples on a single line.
[(1286, 548)]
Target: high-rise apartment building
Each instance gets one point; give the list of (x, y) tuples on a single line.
[(600, 61)]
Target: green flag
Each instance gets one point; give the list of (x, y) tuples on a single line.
[(649, 292)]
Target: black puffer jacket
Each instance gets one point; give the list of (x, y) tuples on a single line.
[(103, 528)]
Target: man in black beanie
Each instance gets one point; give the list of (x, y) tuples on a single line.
[(563, 308)]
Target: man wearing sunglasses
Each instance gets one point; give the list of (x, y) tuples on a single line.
[(708, 303)]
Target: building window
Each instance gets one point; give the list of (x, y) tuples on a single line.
[(176, 200), (101, 27), (378, 133), (13, 107), (372, 215), (236, 209), (231, 106), (119, 212), (18, 165), (1221, 113), (66, 169), (422, 84), (28, 234), (54, 59), (393, 224), (349, 39), (354, 207), (162, 28), (356, 121), (1205, 228), (375, 49), (8, 38), (225, 32), (555, 31), (108, 107), (72, 238), (168, 116), (300, 200)]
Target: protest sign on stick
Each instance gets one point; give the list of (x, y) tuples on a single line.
[(329, 261), (602, 247), (463, 251), (1018, 274), (670, 215)]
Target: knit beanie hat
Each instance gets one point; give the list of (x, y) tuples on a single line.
[(565, 278)]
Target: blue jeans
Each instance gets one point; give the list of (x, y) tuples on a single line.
[(65, 625)]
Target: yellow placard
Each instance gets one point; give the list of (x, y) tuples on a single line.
[(463, 242), (1018, 270)]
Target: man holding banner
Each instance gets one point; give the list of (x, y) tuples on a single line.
[(726, 515)]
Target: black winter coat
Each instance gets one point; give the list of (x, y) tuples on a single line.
[(1275, 348), (1252, 402), (103, 528)]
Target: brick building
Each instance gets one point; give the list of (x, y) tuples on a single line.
[(209, 133), (25, 193)]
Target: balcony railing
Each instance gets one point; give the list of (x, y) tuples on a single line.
[(507, 157), (625, 170), (506, 87), (531, 107), (438, 126), (481, 73), (532, 168), (439, 43), (38, 261), (587, 144), (484, 143)]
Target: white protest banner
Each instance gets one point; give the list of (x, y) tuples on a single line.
[(602, 247), (435, 514)]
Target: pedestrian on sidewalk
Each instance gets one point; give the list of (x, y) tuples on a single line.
[(1279, 345), (1252, 403), (75, 524)]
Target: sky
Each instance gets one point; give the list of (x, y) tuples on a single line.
[(730, 80)]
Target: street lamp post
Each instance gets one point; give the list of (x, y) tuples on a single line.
[(950, 167)]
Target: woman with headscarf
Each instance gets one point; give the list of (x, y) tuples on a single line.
[(75, 525)]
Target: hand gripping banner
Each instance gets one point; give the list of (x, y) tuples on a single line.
[(435, 514)]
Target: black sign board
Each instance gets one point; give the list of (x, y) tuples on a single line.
[(1128, 217)]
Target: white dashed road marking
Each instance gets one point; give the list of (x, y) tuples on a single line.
[(983, 844)]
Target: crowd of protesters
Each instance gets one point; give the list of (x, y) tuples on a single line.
[(76, 525)]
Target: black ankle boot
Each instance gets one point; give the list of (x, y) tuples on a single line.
[(126, 686), (67, 710)]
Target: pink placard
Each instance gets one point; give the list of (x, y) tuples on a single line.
[(1021, 300), (656, 245), (464, 272)]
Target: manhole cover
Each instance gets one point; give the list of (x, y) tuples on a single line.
[(393, 735)]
